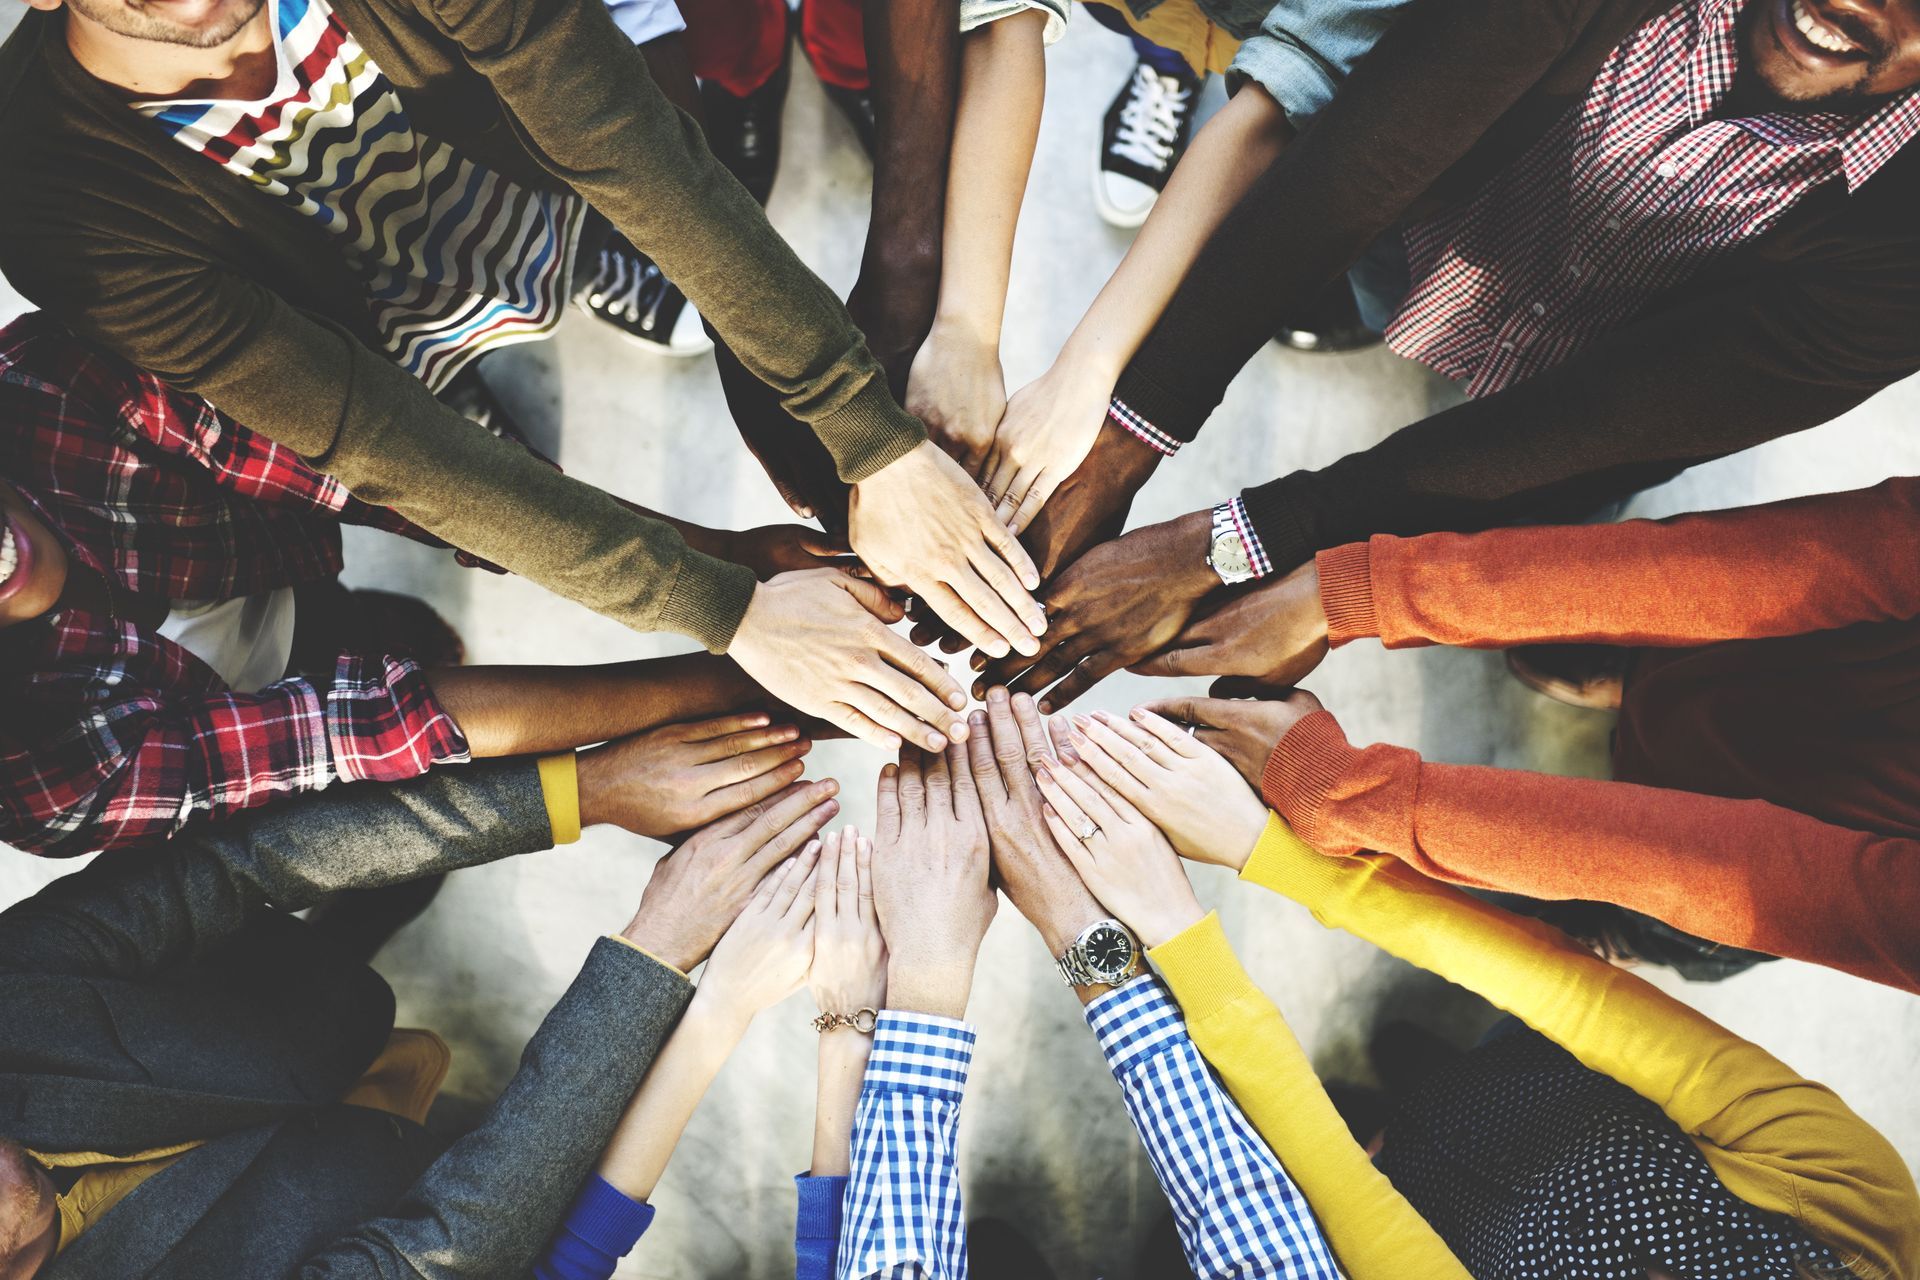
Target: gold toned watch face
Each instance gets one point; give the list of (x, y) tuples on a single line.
[(1229, 556)]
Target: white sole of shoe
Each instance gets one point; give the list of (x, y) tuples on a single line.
[(1110, 213)]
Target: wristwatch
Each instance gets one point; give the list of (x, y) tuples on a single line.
[(1226, 549), (1106, 953)]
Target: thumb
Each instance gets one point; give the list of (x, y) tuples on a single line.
[(873, 598)]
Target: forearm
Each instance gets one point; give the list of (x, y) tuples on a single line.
[(1741, 872), (1002, 85), (1784, 568), (843, 1062), (653, 1122), (913, 49), (520, 710), (1226, 155)]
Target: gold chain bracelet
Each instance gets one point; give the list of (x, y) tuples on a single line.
[(861, 1020)]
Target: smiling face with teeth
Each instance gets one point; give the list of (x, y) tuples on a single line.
[(1828, 53), (33, 564)]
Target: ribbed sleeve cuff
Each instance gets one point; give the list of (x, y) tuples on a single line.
[(708, 598), (560, 788), (608, 1219), (1304, 766), (1146, 399), (1282, 861), (1199, 965), (821, 1202), (1346, 592), (869, 431), (1279, 524)]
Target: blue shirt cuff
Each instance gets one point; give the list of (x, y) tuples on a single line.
[(821, 1201), (920, 1052), (1134, 1021)]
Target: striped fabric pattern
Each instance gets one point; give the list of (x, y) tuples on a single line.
[(456, 259), (1631, 193), (1237, 1211), (903, 1218)]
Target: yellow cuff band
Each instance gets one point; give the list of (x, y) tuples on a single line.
[(560, 784), (625, 941), (1199, 966)]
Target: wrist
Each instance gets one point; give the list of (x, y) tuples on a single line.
[(665, 943), (1167, 922), (718, 1015), (963, 327), (929, 985), (1189, 539), (1088, 366), (593, 774)]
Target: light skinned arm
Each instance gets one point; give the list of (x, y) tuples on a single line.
[(956, 386), (1051, 423), (849, 974)]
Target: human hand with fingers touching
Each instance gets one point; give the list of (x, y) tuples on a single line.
[(1183, 786), (930, 888), (682, 776), (1276, 633), (957, 389), (1091, 505), (819, 641), (1006, 743), (922, 523), (1121, 856), (1049, 429), (699, 889), (1242, 720), (1117, 604), (773, 549), (849, 970), (767, 952)]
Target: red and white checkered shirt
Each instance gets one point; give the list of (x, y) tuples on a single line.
[(1631, 193)]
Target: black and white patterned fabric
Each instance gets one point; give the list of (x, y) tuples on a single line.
[(1533, 1167)]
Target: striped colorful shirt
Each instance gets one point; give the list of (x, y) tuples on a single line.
[(1632, 192), (456, 259), (1236, 1210)]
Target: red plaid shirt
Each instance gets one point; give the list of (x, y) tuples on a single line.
[(112, 734), (1631, 193)]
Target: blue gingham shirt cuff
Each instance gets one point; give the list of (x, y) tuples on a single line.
[(921, 1052), (1122, 415)]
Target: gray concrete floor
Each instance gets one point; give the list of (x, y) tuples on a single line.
[(1045, 1143)]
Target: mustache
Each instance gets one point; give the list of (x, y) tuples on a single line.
[(1874, 44)]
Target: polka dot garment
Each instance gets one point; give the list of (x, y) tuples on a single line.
[(1533, 1167)]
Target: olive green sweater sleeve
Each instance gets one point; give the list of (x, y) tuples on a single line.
[(581, 99)]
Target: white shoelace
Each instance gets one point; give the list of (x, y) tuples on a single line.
[(1150, 121), (616, 287)]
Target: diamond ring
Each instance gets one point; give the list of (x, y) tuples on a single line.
[(1091, 828)]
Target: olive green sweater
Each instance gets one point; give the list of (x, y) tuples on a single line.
[(137, 243)]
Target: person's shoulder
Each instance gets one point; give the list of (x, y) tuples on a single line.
[(29, 94)]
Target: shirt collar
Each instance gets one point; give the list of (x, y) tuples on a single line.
[(1863, 142)]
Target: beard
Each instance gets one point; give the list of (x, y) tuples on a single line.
[(1753, 86), (135, 23)]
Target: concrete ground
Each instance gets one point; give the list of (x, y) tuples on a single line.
[(1045, 1144)]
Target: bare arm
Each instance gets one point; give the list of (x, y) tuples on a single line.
[(843, 1064)]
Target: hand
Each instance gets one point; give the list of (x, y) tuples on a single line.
[(682, 776), (773, 549), (1006, 744), (1091, 507), (849, 955), (764, 956), (1120, 602), (930, 889), (1121, 856), (957, 389), (1245, 732), (819, 642), (699, 888), (1049, 428), (920, 522), (1184, 787), (1276, 634)]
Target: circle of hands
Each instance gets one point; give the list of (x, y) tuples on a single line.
[(1074, 819)]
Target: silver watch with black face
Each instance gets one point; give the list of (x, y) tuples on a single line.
[(1105, 954), (1226, 549)]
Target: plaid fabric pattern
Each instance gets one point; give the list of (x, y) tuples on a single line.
[(1631, 193), (903, 1219), (1257, 557), (113, 735), (1123, 416), (1237, 1211)]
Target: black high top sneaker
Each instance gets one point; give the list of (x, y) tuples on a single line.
[(1147, 130), (628, 291)]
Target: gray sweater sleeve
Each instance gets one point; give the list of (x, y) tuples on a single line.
[(488, 1206)]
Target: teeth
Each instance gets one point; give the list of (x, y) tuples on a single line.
[(9, 556), (1817, 33)]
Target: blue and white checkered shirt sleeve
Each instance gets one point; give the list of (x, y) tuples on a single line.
[(903, 1219), (1237, 1211)]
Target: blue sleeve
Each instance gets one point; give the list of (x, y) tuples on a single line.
[(816, 1228), (600, 1228)]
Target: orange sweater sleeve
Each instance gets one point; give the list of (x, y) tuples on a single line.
[(1784, 568), (1742, 872)]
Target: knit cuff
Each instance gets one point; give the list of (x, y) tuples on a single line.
[(1280, 522), (560, 788), (821, 1201), (707, 600), (608, 1219), (1346, 593), (1304, 767), (1199, 965), (869, 431)]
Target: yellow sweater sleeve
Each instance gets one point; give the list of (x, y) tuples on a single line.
[(1776, 1140), (1375, 1234), (560, 788)]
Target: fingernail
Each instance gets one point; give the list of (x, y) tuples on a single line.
[(1104, 717), (893, 741), (999, 648), (831, 807), (957, 700), (888, 770), (806, 513), (1041, 769), (1079, 720), (1138, 714), (936, 742), (978, 662), (787, 734), (957, 731), (829, 785), (977, 719), (757, 721), (1046, 708)]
